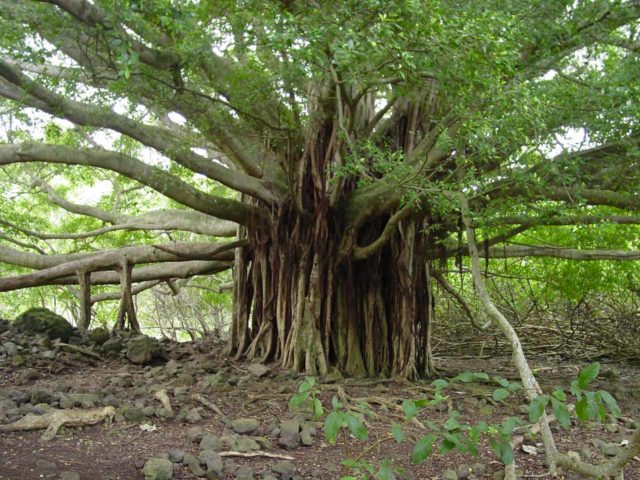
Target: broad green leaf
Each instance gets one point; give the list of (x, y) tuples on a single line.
[(356, 427), (423, 448), (410, 409), (318, 410), (397, 432), (582, 409), (500, 394), (536, 407), (559, 394), (332, 425), (588, 375), (440, 383), (611, 403), (561, 412), (385, 472)]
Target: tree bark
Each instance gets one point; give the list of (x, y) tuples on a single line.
[(84, 281), (127, 310)]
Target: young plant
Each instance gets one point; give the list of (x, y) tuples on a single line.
[(306, 399)]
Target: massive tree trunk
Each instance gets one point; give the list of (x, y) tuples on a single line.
[(300, 303), (303, 300)]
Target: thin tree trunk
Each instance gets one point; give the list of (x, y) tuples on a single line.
[(127, 310), (84, 281), (529, 381)]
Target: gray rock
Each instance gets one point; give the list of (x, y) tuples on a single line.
[(611, 427), (7, 406), (176, 456), (85, 400), (246, 444), (46, 322), (69, 476), (41, 396), (48, 354), (148, 411), (193, 463), (142, 349), (18, 361), (210, 442), (19, 396), (195, 434), (245, 425), (99, 335), (45, 467), (213, 461), (212, 382), (9, 348), (478, 468), (245, 473), (133, 414), (289, 434), (449, 475), (306, 438), (285, 469), (158, 469), (608, 449), (258, 370), (113, 346), (193, 415), (163, 413)]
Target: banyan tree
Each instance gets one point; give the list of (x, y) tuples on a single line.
[(333, 141)]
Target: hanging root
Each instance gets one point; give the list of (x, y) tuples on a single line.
[(55, 419)]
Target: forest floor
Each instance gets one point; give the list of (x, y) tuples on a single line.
[(255, 401)]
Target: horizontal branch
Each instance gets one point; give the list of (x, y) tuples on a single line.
[(157, 272), (164, 220), (515, 251), (111, 259), (153, 177), (559, 220), (34, 95)]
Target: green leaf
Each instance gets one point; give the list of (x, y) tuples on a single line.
[(611, 403), (439, 383), (332, 425), (582, 409), (452, 423), (559, 394), (410, 409), (536, 407), (561, 412), (385, 472), (423, 448), (397, 432), (500, 394), (317, 408), (356, 427), (588, 375), (467, 377), (503, 382), (298, 400)]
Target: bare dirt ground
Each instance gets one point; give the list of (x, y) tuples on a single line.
[(118, 451)]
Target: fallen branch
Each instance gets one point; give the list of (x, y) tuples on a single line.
[(52, 421), (207, 403), (77, 349), (256, 454)]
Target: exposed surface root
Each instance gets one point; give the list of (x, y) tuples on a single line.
[(55, 419)]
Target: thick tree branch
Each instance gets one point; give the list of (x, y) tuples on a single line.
[(153, 177), (111, 259), (158, 138)]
